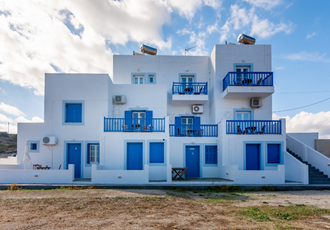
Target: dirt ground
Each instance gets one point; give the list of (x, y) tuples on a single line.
[(163, 209)]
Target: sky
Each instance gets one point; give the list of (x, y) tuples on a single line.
[(80, 36)]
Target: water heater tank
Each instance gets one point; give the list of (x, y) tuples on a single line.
[(245, 39), (148, 50)]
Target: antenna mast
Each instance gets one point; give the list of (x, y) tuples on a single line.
[(186, 50)]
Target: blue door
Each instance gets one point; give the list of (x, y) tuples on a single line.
[(74, 157), (192, 161), (252, 157), (134, 156)]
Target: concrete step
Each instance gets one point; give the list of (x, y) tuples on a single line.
[(317, 182)]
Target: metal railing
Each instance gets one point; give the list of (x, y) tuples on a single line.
[(248, 79), (194, 88), (253, 127), (134, 124), (193, 130)]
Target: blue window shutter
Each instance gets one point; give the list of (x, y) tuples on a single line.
[(197, 125), (149, 119), (73, 113), (211, 155), (156, 152), (88, 154), (178, 126), (128, 119), (273, 153)]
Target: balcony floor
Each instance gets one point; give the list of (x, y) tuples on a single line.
[(189, 99), (235, 92)]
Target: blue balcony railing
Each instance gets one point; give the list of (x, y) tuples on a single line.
[(193, 130), (253, 127), (194, 88), (134, 125), (248, 79)]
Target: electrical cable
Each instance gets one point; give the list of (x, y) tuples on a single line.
[(304, 92), (301, 106)]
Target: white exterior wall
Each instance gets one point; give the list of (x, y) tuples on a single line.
[(306, 138)]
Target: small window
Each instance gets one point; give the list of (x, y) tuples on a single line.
[(211, 155), (73, 113), (151, 78), (138, 79), (93, 155), (156, 152), (273, 153), (33, 146)]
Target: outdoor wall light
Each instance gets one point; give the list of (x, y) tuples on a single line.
[(263, 177), (119, 177), (227, 173), (163, 139), (187, 70), (328, 164), (192, 142), (35, 175)]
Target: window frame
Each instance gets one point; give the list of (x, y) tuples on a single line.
[(64, 103), (154, 78), (187, 74), (204, 155), (37, 146), (87, 146)]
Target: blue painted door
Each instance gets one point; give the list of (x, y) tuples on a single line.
[(134, 156), (74, 157), (252, 157), (192, 161)]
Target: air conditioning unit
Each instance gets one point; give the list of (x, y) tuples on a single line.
[(120, 99), (197, 109), (50, 140), (256, 102)]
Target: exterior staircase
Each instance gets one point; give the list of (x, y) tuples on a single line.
[(315, 175)]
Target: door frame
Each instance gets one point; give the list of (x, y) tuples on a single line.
[(200, 145), (143, 151), (261, 152), (82, 156)]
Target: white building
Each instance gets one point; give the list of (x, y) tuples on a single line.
[(211, 114)]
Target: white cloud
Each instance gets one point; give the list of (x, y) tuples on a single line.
[(306, 56), (266, 4), (34, 119), (279, 67), (184, 31), (243, 20), (5, 119), (10, 110), (308, 122), (311, 35)]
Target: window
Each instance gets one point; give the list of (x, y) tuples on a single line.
[(242, 76), (187, 78), (73, 113), (211, 155), (243, 115), (187, 125), (151, 79), (93, 154), (138, 79), (34, 146), (139, 118), (273, 153), (156, 152)]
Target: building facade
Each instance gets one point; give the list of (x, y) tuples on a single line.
[(211, 114)]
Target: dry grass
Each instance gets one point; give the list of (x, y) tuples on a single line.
[(70, 208)]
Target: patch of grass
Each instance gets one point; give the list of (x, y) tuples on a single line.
[(268, 188), (224, 188), (256, 214), (218, 201), (14, 187)]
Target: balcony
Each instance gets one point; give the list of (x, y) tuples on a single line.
[(253, 127), (193, 130), (189, 93), (134, 125), (248, 84)]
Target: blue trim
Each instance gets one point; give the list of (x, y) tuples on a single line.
[(139, 109), (204, 156), (165, 152), (125, 151), (65, 160), (64, 102), (86, 152), (187, 115), (200, 156), (187, 74), (148, 76), (33, 142), (244, 110), (262, 153), (138, 73), (281, 153), (243, 65)]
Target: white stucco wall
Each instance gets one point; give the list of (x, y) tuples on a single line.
[(306, 138)]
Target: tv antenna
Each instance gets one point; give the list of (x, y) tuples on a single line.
[(187, 49)]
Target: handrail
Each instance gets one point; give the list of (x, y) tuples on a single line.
[(193, 130), (134, 124), (192, 88), (248, 79), (251, 127)]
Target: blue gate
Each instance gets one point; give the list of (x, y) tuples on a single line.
[(192, 161), (74, 157), (134, 156), (253, 157)]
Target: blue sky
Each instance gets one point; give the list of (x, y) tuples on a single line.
[(47, 36)]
